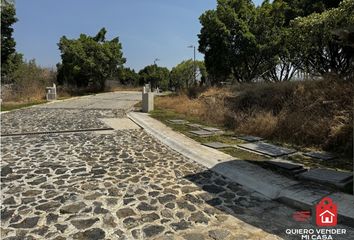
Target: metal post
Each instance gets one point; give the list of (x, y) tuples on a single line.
[(194, 67), (155, 66)]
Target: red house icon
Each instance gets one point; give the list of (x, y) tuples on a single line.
[(327, 217), (326, 213)]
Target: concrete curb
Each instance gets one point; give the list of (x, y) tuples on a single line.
[(256, 178)]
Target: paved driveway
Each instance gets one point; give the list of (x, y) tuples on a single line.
[(123, 184), (76, 114), (114, 100)]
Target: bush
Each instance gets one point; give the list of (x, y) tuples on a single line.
[(315, 113), (308, 113), (28, 82)]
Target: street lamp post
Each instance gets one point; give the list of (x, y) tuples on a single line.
[(155, 65), (194, 67)]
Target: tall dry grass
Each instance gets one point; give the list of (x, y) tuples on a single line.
[(307, 113), (203, 106)]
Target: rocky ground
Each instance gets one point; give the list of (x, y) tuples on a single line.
[(119, 185)]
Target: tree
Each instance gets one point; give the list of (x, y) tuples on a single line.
[(87, 62), (321, 51), (229, 43), (157, 76), (303, 8), (279, 61), (280, 52), (128, 76), (9, 58), (213, 43), (250, 43), (182, 76)]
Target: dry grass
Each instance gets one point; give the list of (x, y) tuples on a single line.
[(8, 106), (261, 124), (202, 107), (181, 104), (24, 92), (316, 114)]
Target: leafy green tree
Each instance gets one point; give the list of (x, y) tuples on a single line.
[(10, 60), (213, 43), (8, 18), (8, 68), (248, 42), (128, 76), (303, 8), (279, 61), (29, 72), (316, 37), (229, 42), (155, 75), (182, 76), (87, 62), (281, 55)]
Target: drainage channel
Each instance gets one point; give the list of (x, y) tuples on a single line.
[(53, 132)]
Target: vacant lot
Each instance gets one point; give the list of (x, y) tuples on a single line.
[(312, 114)]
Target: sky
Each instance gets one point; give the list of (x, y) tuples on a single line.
[(147, 29)]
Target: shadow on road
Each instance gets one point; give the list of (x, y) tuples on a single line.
[(246, 205)]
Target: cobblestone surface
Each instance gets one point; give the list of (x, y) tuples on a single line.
[(44, 120), (111, 100), (121, 185)]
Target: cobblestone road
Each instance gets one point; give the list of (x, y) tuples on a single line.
[(121, 185)]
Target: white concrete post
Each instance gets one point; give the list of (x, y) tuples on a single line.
[(148, 102), (51, 93)]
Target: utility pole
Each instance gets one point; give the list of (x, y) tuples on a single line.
[(155, 65), (194, 67)]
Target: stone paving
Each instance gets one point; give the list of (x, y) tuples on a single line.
[(112, 100), (94, 104), (46, 120), (120, 185)]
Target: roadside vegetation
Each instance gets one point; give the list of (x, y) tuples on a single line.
[(227, 138), (22, 82), (8, 106), (282, 71), (308, 114)]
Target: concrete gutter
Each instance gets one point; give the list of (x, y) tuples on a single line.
[(256, 178)]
